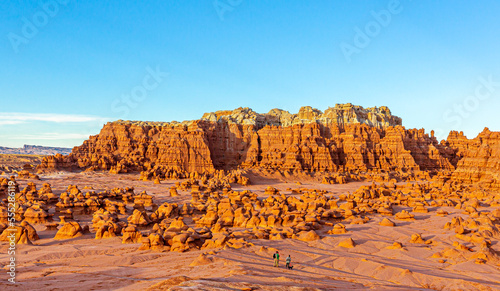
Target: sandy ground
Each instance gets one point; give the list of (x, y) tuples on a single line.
[(85, 263)]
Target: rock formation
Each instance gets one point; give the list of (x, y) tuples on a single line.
[(342, 138), (69, 230), (20, 234), (481, 160)]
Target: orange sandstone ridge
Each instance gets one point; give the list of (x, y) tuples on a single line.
[(345, 138)]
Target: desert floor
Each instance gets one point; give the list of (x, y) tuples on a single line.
[(85, 263)]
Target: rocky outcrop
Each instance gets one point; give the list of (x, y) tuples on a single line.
[(345, 138), (341, 115), (224, 140), (69, 230), (481, 161), (124, 146), (217, 218)]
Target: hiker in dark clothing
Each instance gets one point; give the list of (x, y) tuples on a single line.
[(288, 260), (276, 257)]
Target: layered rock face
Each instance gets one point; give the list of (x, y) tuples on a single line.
[(458, 144), (123, 146), (343, 138), (355, 147), (341, 114), (481, 161)]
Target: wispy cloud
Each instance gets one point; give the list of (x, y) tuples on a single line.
[(19, 117), (10, 122), (48, 136)]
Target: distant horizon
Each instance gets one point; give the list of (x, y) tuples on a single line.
[(68, 67), (33, 145)]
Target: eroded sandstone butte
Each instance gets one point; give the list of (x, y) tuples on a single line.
[(343, 138), (480, 162)]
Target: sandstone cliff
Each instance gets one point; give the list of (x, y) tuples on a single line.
[(343, 138), (481, 161)]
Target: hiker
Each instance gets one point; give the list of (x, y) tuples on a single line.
[(288, 260), (276, 257)]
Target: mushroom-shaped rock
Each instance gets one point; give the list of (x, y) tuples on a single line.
[(69, 230), (338, 228), (19, 233), (139, 218), (131, 235), (35, 214), (385, 211), (420, 208), (307, 236), (173, 192), (404, 215), (177, 225), (156, 241), (108, 230), (146, 245)]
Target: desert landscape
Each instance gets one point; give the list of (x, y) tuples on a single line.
[(357, 200)]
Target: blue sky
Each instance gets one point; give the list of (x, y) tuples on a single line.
[(69, 66)]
